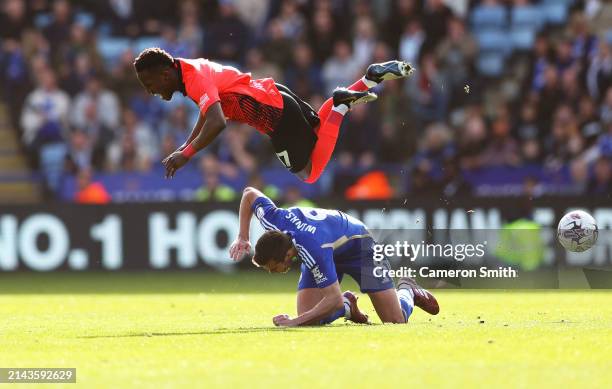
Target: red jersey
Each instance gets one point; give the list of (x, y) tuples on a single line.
[(257, 103)]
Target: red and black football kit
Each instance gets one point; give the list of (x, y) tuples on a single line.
[(298, 134)]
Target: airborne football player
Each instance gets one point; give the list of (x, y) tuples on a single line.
[(303, 139)]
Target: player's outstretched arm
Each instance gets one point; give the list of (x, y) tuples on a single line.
[(214, 123), (331, 302), (197, 128), (241, 246)]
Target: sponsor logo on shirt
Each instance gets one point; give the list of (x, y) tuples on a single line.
[(318, 276), (203, 100), (257, 85)]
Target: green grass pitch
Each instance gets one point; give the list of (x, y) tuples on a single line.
[(198, 329)]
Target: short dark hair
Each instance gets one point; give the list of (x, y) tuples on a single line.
[(271, 247), (153, 58)]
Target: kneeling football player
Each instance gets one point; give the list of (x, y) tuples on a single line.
[(329, 244)]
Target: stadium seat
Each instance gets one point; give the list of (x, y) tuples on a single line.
[(496, 41), (494, 48), (491, 64), (522, 38), (42, 20), (143, 43), (85, 19), (524, 25), (555, 12), (489, 18), (111, 48)]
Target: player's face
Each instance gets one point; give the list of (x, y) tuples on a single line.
[(157, 82)]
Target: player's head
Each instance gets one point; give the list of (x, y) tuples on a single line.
[(274, 251), (156, 72)]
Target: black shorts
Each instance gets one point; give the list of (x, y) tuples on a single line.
[(294, 137)]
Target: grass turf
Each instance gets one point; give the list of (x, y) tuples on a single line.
[(209, 330)]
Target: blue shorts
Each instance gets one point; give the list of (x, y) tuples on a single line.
[(358, 262)]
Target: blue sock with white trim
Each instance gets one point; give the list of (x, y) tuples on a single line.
[(406, 300), (345, 311)]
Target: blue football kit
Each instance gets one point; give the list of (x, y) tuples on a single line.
[(330, 244)]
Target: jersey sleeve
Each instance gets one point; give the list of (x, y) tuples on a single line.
[(202, 89), (268, 214), (319, 261)]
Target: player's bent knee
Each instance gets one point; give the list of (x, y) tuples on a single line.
[(394, 319)]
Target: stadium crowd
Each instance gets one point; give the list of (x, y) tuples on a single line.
[(516, 85)]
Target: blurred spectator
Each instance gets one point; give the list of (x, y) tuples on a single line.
[(429, 98), (45, 115), (564, 142), (213, 189), (472, 142), (428, 164), (122, 79), (176, 126), (189, 31), (579, 171), (176, 47), (435, 22), (539, 62), (549, 98), (502, 149), (584, 43), (14, 78), (601, 182), (253, 13), (58, 31), (277, 47), (456, 53), (148, 108), (119, 17), (364, 41), (606, 107), (411, 41), (588, 120), (453, 183), (599, 73), (44, 123), (340, 69), (89, 191), (360, 131), (256, 181), (227, 37), (260, 68), (135, 148), (79, 59), (95, 97), (293, 198), (322, 35), (304, 75), (291, 21), (13, 19), (80, 152), (403, 12)]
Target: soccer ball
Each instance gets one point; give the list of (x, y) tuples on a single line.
[(577, 231)]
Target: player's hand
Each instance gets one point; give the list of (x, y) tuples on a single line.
[(239, 248), (174, 162), (283, 321)]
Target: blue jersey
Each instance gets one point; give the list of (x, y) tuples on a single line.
[(320, 236)]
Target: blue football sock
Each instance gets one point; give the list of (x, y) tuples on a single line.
[(406, 300), (342, 312)]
